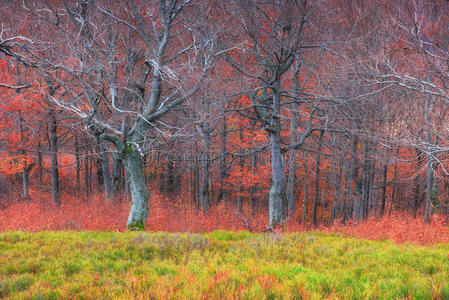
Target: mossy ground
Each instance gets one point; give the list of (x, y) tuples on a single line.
[(220, 264)]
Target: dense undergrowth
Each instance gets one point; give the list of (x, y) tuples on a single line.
[(39, 213), (220, 264)]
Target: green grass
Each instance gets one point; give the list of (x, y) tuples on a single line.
[(105, 265)]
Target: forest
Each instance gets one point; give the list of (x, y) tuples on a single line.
[(300, 112), (190, 116)]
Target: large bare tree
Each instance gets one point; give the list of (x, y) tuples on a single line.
[(279, 35), (121, 67)]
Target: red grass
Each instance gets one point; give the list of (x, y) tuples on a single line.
[(399, 227), (39, 213)]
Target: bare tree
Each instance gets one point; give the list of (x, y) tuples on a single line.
[(278, 34), (131, 60)]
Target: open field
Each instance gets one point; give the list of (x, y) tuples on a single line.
[(220, 264)]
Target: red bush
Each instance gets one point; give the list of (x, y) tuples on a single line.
[(96, 213)]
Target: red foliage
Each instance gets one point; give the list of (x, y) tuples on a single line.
[(40, 213), (96, 213), (399, 227), (172, 216)]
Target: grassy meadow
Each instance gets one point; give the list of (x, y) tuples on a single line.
[(217, 265)]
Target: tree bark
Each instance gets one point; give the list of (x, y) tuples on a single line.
[(78, 164), (106, 173), (430, 161), (116, 176), (347, 195), (293, 137), (306, 190), (117, 165), (253, 187), (384, 190), (417, 194), (429, 181), (204, 190), (139, 206), (196, 176), (277, 190), (86, 173), (336, 182), (54, 158), (91, 167), (99, 171), (291, 176), (316, 197), (240, 183), (356, 190), (39, 165), (223, 166), (393, 193), (25, 168), (25, 177)]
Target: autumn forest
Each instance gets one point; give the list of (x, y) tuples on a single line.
[(258, 147)]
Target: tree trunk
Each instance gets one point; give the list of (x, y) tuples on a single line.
[(347, 195), (253, 187), (240, 195), (86, 173), (316, 197), (204, 190), (139, 192), (336, 182), (335, 206), (417, 195), (306, 190), (291, 182), (25, 178), (429, 181), (24, 162), (355, 193), (106, 173), (54, 159), (77, 160), (192, 183), (91, 167), (223, 166), (240, 184), (395, 174), (371, 197), (430, 161), (99, 173), (384, 190), (292, 156), (196, 176), (116, 176), (277, 190), (39, 166), (365, 181)]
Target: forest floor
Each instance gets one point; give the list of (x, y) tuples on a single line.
[(217, 265)]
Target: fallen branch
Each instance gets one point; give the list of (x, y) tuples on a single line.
[(15, 87)]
